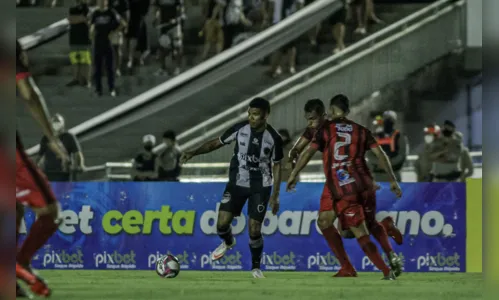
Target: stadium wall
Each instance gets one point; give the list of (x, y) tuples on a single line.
[(474, 226)]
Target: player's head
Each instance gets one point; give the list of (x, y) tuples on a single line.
[(58, 123), (339, 106), (431, 132), (315, 112), (169, 138), (258, 112), (448, 129)]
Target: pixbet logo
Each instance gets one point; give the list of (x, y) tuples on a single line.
[(116, 260), (440, 262), (64, 259), (228, 262), (327, 262), (183, 259), (275, 261), (366, 262)]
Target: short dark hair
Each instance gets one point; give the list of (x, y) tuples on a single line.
[(170, 134), (450, 124), (315, 105), (341, 101), (260, 103)]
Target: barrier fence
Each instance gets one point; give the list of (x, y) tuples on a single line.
[(111, 225)]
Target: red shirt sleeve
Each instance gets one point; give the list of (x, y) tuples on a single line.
[(308, 134), (318, 142), (370, 140)]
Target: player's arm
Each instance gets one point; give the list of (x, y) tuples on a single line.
[(384, 162), (304, 159), (298, 148)]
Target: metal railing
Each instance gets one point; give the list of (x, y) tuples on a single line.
[(206, 73), (306, 176), (323, 68)]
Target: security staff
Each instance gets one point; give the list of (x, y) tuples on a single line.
[(423, 164), (394, 144), (446, 155)]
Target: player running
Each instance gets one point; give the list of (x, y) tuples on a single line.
[(349, 192), (254, 168), (315, 114), (32, 187)]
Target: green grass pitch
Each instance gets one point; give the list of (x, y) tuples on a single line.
[(142, 285)]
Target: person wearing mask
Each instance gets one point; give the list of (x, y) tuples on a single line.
[(79, 43), (423, 164), (394, 144), (53, 167), (104, 22), (287, 145), (446, 153), (144, 164), (168, 161)]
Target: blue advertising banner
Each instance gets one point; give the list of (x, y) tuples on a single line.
[(112, 225)]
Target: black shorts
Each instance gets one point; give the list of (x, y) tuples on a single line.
[(235, 197), (339, 17)]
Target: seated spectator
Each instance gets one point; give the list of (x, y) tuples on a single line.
[(51, 164), (79, 42), (168, 161), (446, 153), (144, 164)]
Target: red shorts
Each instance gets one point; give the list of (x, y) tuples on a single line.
[(32, 186), (352, 209)]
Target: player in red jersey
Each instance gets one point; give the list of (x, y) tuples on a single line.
[(32, 187), (350, 190), (316, 116)]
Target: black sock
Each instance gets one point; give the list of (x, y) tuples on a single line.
[(225, 233), (256, 248)]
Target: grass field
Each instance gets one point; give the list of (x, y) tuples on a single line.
[(138, 285)]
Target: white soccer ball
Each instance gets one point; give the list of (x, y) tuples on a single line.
[(168, 266)]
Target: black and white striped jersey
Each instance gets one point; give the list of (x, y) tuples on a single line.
[(254, 154)]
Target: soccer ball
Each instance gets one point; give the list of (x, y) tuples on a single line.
[(168, 266)]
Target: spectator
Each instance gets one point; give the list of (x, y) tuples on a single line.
[(423, 164), (138, 11), (168, 161), (337, 21), (51, 164), (79, 42), (466, 164), (104, 22), (378, 126), (144, 164), (371, 15), (282, 9), (169, 15), (212, 30), (123, 9), (231, 15), (446, 153), (362, 17), (314, 33), (394, 144), (287, 145)]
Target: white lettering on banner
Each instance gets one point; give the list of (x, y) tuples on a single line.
[(228, 262), (289, 222), (116, 260), (324, 262), (183, 259), (440, 262), (366, 262), (64, 259)]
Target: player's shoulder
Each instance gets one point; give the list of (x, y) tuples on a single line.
[(273, 133), (240, 125)]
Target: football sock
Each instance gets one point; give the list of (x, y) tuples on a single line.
[(43, 228), (225, 233), (24, 275), (256, 248), (379, 233), (335, 242), (371, 251)]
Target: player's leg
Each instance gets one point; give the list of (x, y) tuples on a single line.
[(326, 219), (392, 230), (231, 206), (354, 219), (257, 208)]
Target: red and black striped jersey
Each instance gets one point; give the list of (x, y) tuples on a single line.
[(344, 144)]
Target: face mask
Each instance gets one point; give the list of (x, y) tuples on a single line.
[(428, 139), (148, 147), (388, 125), (447, 132)]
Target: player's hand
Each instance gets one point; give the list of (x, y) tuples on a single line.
[(274, 203), (185, 157), (292, 181), (58, 148), (293, 156), (395, 188)]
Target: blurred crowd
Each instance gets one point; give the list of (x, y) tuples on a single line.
[(109, 38)]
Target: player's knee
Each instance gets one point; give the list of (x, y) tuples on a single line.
[(255, 228), (224, 220), (324, 222)]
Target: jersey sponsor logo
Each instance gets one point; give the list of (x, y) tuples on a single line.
[(344, 177), (274, 261), (63, 259), (228, 262), (184, 259), (344, 127), (440, 262), (255, 141), (116, 260), (323, 262), (251, 158)]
